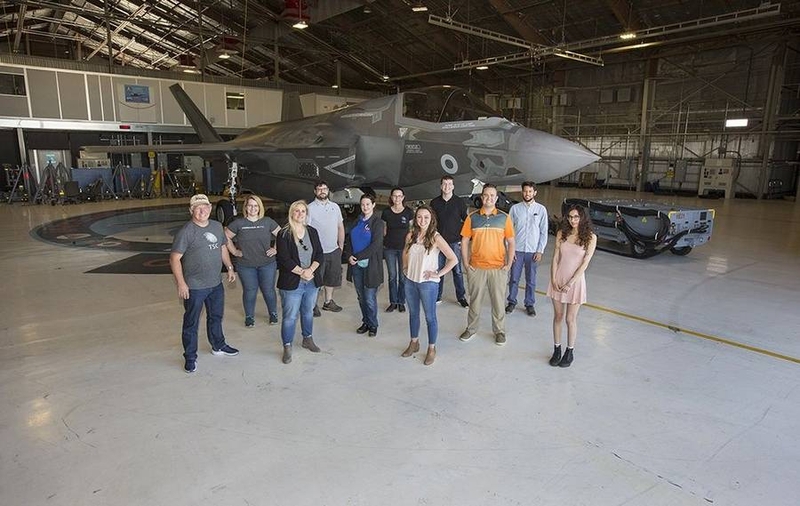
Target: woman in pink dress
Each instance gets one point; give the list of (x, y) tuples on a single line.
[(575, 244)]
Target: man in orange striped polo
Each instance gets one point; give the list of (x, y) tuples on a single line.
[(487, 248)]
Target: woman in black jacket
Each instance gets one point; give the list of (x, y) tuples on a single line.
[(299, 257), (364, 253)]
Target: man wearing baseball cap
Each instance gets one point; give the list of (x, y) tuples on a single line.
[(196, 259)]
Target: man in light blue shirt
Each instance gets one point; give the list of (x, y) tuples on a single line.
[(530, 228)]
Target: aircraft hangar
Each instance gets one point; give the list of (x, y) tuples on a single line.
[(685, 389)]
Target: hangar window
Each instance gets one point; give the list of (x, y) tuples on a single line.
[(441, 104), (234, 101), (12, 84)]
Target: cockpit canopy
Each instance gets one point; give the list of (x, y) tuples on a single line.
[(439, 104)]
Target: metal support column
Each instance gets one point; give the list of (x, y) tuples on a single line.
[(768, 123), (23, 151), (648, 93)]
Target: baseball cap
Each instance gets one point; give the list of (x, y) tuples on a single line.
[(198, 200)]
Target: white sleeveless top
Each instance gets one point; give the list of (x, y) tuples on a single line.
[(421, 260)]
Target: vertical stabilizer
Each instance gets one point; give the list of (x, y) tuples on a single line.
[(199, 122)]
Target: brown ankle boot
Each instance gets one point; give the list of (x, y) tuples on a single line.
[(430, 356), (308, 343), (413, 347)]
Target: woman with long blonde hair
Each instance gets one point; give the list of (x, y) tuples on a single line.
[(299, 257)]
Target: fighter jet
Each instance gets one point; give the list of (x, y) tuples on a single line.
[(409, 140)]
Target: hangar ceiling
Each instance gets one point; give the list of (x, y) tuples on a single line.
[(380, 44)]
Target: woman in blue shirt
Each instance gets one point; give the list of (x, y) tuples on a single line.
[(364, 253)]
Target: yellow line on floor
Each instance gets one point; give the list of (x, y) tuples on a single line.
[(694, 333)]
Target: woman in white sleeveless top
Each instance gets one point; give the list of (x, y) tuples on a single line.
[(421, 269)]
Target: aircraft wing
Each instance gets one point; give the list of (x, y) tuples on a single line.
[(210, 148)]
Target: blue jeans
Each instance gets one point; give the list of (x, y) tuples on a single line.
[(214, 301), (255, 279), (522, 260), (367, 298), (394, 268), (424, 293), (458, 273), (298, 302)]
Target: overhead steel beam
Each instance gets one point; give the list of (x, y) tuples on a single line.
[(533, 48), (20, 24), (762, 11), (504, 8), (141, 10), (479, 32), (627, 17)]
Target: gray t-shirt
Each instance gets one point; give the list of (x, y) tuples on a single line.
[(254, 239), (326, 219), (202, 258), (304, 251)]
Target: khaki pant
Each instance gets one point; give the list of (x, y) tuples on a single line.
[(481, 282)]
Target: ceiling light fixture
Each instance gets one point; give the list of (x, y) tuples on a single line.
[(385, 78), (300, 25), (482, 67), (734, 123), (223, 56), (419, 7), (335, 86), (627, 36)]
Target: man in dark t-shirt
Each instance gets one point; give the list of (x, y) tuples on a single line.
[(451, 211), (196, 259)]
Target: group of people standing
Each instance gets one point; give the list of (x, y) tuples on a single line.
[(488, 249)]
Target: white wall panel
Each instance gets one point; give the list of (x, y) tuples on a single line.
[(215, 105), (95, 101), (43, 90), (72, 93), (107, 99), (173, 115)]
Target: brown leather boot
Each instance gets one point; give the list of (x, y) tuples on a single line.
[(308, 343), (413, 347), (430, 356)]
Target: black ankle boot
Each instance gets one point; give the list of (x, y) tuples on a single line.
[(566, 360), (556, 355)]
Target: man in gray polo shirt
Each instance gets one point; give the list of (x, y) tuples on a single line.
[(197, 256), (326, 217)]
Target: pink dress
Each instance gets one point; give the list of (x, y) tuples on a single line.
[(571, 258)]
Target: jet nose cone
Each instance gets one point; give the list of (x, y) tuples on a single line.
[(544, 157)]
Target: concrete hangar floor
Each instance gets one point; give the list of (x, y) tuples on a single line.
[(685, 387)]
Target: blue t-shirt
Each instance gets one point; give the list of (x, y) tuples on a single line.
[(361, 235)]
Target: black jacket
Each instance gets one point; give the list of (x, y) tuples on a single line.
[(374, 274), (289, 258)]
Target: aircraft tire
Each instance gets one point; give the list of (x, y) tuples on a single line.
[(681, 251), (224, 212), (638, 251)]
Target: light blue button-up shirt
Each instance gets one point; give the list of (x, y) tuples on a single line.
[(530, 226)]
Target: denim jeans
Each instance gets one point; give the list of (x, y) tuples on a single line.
[(214, 301), (298, 302), (394, 268), (458, 273), (367, 298), (255, 279), (424, 294), (522, 261)]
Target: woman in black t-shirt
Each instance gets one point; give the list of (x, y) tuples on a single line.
[(398, 218)]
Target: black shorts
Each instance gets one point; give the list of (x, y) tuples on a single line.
[(332, 269)]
